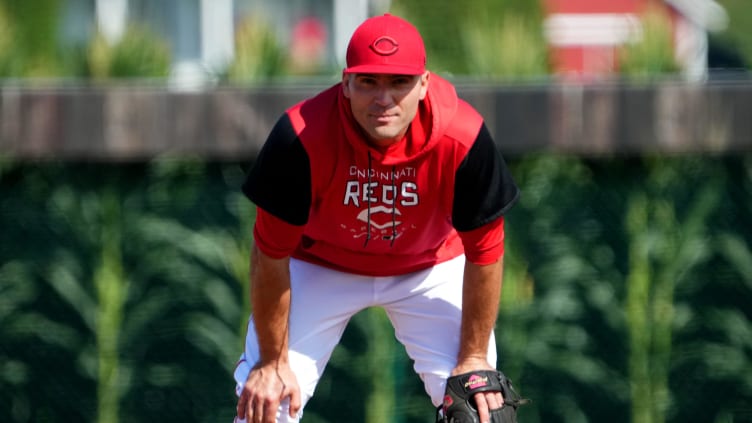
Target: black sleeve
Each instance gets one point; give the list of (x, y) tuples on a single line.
[(484, 189), (280, 179)]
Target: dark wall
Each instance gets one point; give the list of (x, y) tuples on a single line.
[(137, 122)]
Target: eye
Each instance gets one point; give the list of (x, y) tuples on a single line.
[(402, 81), (366, 80)]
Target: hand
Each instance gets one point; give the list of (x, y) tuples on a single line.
[(266, 387), (484, 401)]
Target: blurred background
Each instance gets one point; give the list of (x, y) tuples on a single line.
[(127, 126)]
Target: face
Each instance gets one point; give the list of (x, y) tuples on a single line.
[(384, 104)]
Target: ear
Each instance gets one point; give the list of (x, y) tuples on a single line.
[(346, 84), (424, 80)]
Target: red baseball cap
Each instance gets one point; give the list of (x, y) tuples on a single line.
[(386, 44)]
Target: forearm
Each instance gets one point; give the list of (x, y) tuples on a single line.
[(480, 303), (270, 299)]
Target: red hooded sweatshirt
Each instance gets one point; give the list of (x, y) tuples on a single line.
[(325, 196)]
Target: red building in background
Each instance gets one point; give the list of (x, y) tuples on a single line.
[(584, 36)]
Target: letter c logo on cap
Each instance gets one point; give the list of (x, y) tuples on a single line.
[(385, 46)]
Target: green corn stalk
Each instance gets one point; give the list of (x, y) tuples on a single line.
[(381, 401), (663, 248), (239, 260), (111, 291), (637, 307)]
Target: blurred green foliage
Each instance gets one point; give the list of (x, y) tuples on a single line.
[(30, 48), (8, 60), (627, 264), (258, 54), (496, 39), (653, 53), (123, 288), (123, 291), (500, 39), (32, 27), (139, 53)]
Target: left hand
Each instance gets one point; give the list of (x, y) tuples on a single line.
[(485, 401)]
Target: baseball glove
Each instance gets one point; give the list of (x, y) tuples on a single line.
[(459, 406)]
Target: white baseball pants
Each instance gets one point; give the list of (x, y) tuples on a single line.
[(424, 307)]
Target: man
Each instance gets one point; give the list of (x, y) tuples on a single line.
[(384, 190)]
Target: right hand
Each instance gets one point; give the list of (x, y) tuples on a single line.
[(266, 387)]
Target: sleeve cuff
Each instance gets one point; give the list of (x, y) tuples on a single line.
[(275, 237), (484, 245)]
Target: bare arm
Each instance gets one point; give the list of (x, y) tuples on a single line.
[(271, 380), (270, 299), (480, 304)]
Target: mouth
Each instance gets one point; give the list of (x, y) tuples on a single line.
[(383, 118)]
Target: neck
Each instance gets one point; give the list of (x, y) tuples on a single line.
[(382, 144)]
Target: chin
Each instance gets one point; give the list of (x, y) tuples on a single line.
[(385, 135)]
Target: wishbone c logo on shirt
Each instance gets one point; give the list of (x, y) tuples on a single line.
[(363, 216)]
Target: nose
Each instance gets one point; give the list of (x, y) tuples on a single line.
[(383, 95)]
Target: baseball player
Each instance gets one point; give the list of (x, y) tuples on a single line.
[(384, 190)]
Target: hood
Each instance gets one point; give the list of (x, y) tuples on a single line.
[(435, 113)]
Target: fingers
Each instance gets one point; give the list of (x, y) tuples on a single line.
[(264, 392), (295, 402), (259, 412), (265, 411), (256, 411), (482, 404), (497, 401), (242, 404), (487, 401)]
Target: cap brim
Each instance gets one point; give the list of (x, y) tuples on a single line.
[(386, 69)]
